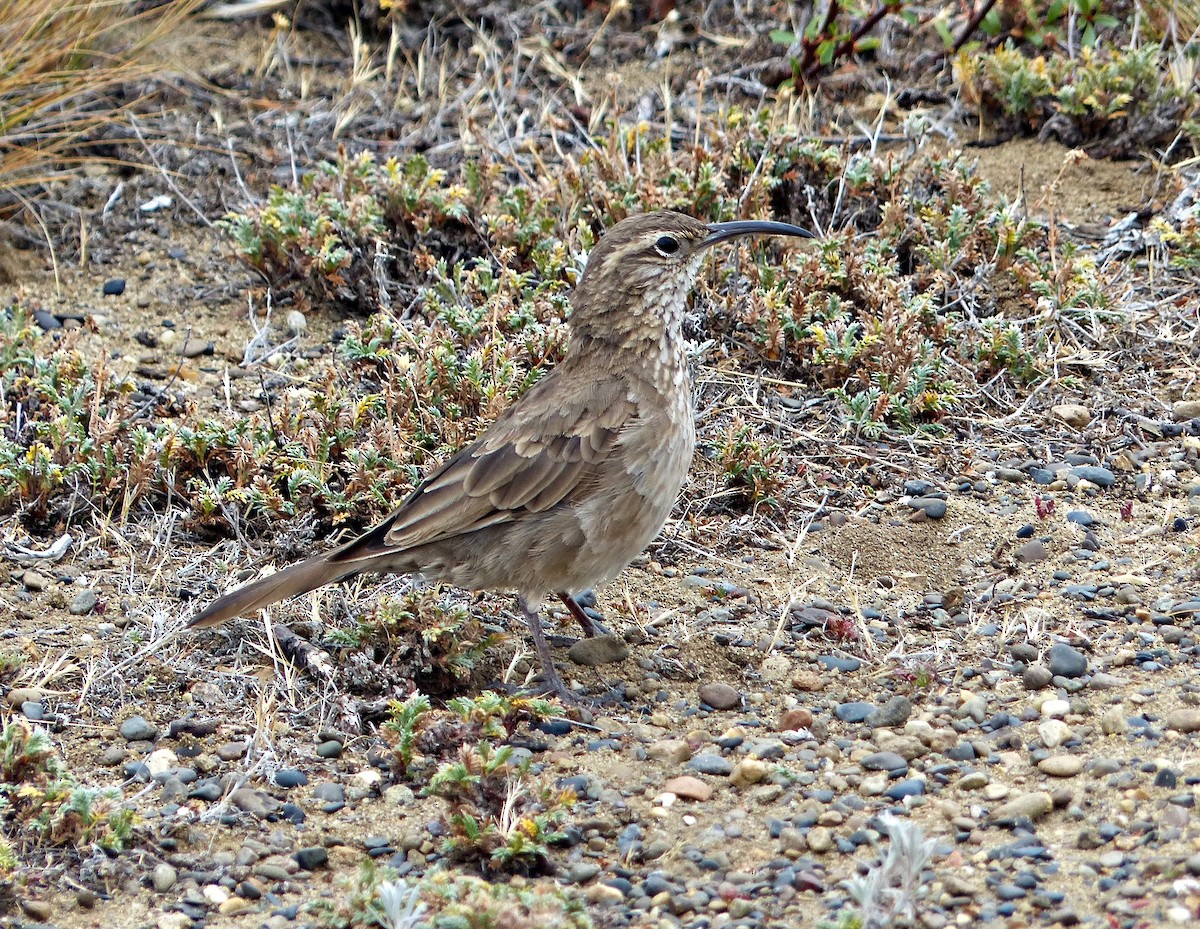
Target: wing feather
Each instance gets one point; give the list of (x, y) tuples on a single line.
[(541, 451)]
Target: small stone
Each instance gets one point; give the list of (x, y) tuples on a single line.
[(1113, 722), (1066, 661), (83, 603), (930, 507), (37, 910), (598, 650), (1036, 677), (775, 667), (35, 581), (1073, 414), (670, 751), (311, 858), (114, 287), (137, 729), (892, 714), (709, 763), (296, 322), (688, 788), (163, 877), (853, 712), (1032, 552), (819, 839), (1185, 719), (884, 761), (1101, 477), (1183, 410), (1054, 732), (1061, 765), (330, 748), (748, 771), (1027, 806), (720, 696), (1055, 708), (795, 718), (161, 761), (288, 778), (47, 322)]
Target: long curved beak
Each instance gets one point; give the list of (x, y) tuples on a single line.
[(721, 232)]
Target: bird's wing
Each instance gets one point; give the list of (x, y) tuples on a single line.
[(541, 451)]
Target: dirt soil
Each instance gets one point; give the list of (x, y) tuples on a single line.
[(976, 618)]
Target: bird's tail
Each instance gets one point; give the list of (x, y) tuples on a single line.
[(296, 579)]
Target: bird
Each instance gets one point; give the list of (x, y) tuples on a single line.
[(573, 480)]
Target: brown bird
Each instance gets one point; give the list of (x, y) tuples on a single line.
[(576, 478)]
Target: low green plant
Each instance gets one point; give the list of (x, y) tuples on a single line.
[(500, 813), (753, 468), (41, 799), (417, 732)]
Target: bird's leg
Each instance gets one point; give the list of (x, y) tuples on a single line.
[(586, 623), (549, 673)]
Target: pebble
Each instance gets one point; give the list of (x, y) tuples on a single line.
[(708, 763), (35, 581), (819, 839), (931, 507), (793, 719), (892, 714), (137, 729), (689, 788), (1036, 677), (114, 287), (853, 712), (1027, 806), (748, 771), (1061, 765), (1032, 552), (1054, 732), (720, 696), (1066, 661), (1183, 410), (884, 761), (1055, 707), (163, 877), (1185, 719), (1073, 414), (311, 858), (598, 650), (1101, 477), (670, 751), (83, 603)]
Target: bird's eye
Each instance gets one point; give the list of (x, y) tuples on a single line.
[(667, 245)]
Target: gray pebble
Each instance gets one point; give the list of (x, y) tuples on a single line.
[(137, 729), (854, 712), (1032, 552), (884, 761), (710, 763), (1066, 661), (163, 877), (311, 858), (83, 603), (893, 713), (1101, 477), (1036, 677)]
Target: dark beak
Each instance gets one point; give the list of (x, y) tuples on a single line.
[(721, 232)]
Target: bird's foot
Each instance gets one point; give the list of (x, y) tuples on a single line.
[(549, 672)]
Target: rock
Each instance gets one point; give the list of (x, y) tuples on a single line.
[(1027, 806), (688, 788), (775, 667), (819, 839), (1054, 708), (892, 714), (1036, 677), (35, 581), (670, 751), (1101, 477), (884, 761), (296, 322), (161, 761), (311, 858), (854, 712), (137, 729), (83, 603), (37, 910), (1066, 661), (113, 287), (1185, 719), (720, 696), (1113, 721), (709, 763), (163, 877), (748, 771), (1032, 552), (1054, 732), (931, 507), (1061, 765), (795, 718), (1073, 414), (598, 650), (1183, 410)]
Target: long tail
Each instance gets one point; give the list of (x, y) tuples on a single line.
[(295, 579)]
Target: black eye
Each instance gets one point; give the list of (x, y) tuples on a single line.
[(667, 245)]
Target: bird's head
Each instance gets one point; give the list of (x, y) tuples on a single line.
[(643, 268)]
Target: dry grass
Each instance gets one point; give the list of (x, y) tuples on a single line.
[(70, 71)]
